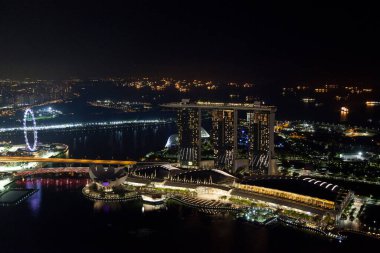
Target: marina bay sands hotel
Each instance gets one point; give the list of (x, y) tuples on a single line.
[(224, 118)]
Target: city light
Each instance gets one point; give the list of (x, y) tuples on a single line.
[(160, 126)]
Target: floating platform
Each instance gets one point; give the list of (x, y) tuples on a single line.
[(153, 198), (15, 196)]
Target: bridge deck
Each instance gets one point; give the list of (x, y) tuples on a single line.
[(64, 160)]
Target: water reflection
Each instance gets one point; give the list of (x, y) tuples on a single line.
[(34, 201), (106, 207), (57, 184), (130, 142)]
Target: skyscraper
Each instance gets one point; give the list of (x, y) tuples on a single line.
[(224, 138), (224, 134), (261, 147), (189, 135)]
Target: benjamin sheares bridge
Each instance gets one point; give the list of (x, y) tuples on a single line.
[(224, 117)]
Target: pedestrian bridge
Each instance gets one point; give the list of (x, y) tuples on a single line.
[(42, 171)]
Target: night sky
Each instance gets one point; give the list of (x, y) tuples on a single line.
[(257, 41)]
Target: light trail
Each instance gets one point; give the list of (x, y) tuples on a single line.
[(88, 124)]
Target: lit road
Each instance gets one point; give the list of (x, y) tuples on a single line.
[(89, 124), (63, 160)]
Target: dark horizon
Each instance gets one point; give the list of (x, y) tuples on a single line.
[(266, 43)]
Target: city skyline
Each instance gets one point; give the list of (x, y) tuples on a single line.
[(189, 126)]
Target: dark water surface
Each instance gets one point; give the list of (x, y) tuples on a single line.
[(129, 142), (59, 218), (121, 143)]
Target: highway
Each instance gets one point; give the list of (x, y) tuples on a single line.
[(63, 160), (105, 124)]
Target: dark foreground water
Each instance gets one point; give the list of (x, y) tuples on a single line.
[(59, 219)]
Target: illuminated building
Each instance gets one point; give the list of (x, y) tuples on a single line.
[(308, 100), (189, 136), (261, 147), (288, 195), (320, 90), (224, 134), (300, 194), (106, 178), (224, 138), (308, 194)]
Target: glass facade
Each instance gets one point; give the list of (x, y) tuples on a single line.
[(189, 135), (224, 134), (224, 138), (261, 147)]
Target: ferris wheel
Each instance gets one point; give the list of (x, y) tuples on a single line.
[(33, 128)]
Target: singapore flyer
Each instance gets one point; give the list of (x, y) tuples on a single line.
[(33, 128)]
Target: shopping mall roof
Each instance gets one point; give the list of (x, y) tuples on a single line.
[(303, 186), (100, 173), (210, 176)]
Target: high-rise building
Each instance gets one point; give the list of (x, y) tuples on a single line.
[(189, 136), (261, 147), (224, 134), (224, 138)]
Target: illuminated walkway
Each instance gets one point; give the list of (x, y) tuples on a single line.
[(42, 171)]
